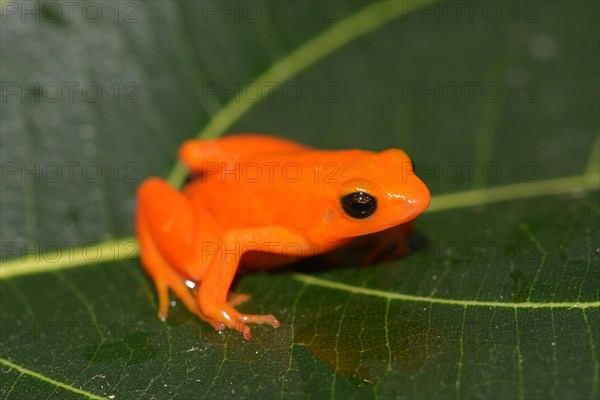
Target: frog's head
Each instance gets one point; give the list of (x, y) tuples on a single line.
[(375, 192)]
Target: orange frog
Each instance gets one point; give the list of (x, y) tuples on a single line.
[(260, 201)]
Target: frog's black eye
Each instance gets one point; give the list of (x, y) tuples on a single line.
[(359, 204)]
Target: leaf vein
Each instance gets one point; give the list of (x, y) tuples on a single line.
[(596, 373), (37, 375), (540, 267), (519, 357), (462, 353), (312, 280), (338, 35)]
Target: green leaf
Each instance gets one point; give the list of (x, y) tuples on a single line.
[(500, 295)]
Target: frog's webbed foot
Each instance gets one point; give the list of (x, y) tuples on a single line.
[(256, 319), (233, 299), (233, 319)]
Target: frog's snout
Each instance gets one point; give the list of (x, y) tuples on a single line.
[(416, 199)]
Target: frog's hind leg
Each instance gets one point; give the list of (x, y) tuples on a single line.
[(159, 208), (161, 272), (169, 221)]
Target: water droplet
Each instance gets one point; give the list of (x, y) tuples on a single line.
[(542, 47), (87, 131), (516, 74)]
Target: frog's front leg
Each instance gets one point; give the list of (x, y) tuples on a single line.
[(387, 244), (212, 296)]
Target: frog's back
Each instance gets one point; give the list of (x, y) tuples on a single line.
[(197, 155), (291, 185)]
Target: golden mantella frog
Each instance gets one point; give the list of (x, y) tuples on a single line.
[(259, 201)]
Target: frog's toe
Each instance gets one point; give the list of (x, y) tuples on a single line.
[(218, 325), (260, 319), (220, 314), (246, 332), (254, 319), (163, 300), (235, 299)]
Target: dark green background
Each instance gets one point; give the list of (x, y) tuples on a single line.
[(95, 328)]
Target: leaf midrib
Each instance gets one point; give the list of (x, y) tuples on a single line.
[(75, 257), (312, 280)]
